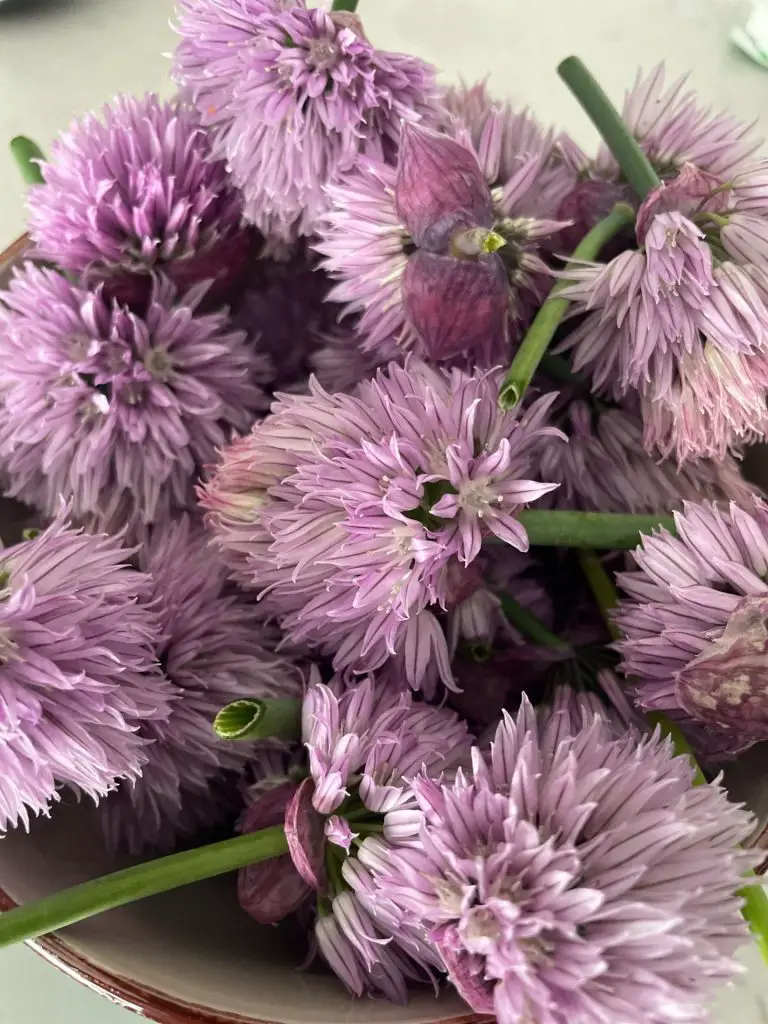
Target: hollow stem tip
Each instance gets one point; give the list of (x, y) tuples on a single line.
[(259, 719), (542, 330), (344, 5), (634, 164), (606, 531), (28, 156), (136, 883)]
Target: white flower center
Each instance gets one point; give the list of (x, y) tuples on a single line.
[(478, 498)]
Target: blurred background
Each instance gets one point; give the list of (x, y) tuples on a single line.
[(59, 58)]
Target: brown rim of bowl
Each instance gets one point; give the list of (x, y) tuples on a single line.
[(152, 1004), (14, 251)]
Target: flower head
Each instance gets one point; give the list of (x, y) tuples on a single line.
[(374, 736), (675, 129), (694, 637), (429, 256), (348, 511), (605, 467), (213, 651), (294, 98), (364, 745), (564, 879), (136, 191), (117, 412), (684, 329), (78, 675)]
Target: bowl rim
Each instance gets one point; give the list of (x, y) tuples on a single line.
[(154, 1005), (128, 994)]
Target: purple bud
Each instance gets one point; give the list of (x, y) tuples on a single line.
[(305, 833), (339, 832), (272, 890), (588, 202), (457, 306), (440, 188), (726, 686)]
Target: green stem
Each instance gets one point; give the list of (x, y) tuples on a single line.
[(27, 153), (755, 911), (259, 719), (548, 318), (605, 531), (136, 883), (601, 585), (635, 165), (529, 625), (344, 5)]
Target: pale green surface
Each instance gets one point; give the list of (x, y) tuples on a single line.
[(70, 55), (33, 992)]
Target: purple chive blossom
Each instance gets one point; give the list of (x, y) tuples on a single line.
[(694, 637), (349, 512), (118, 413), (429, 256), (575, 875), (137, 191), (372, 736), (294, 101), (605, 467), (214, 651), (78, 675), (683, 328), (364, 744), (675, 129)]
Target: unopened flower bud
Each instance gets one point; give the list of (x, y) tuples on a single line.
[(440, 187), (457, 305)]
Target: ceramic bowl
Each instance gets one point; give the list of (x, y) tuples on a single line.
[(191, 956)]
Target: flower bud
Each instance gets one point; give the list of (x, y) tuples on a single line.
[(273, 889), (304, 832), (457, 305), (726, 686), (440, 188)]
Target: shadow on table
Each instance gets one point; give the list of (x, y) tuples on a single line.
[(17, 10)]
